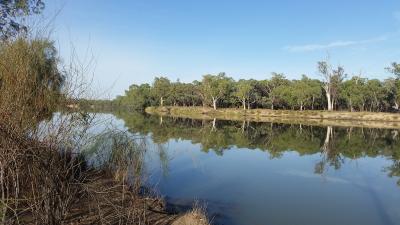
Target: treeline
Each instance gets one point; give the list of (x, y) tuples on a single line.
[(335, 91)]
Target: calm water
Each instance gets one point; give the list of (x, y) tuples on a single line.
[(278, 174)]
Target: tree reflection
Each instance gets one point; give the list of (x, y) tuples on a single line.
[(330, 155), (334, 144)]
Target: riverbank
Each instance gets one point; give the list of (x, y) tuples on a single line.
[(320, 118), (57, 186)]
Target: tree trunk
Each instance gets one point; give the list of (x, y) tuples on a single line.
[(351, 106), (329, 98), (312, 104), (213, 124), (333, 104), (214, 103), (244, 103), (326, 147), (161, 101)]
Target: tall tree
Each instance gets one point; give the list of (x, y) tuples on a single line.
[(277, 80), (161, 88), (354, 92), (375, 94), (305, 91), (216, 87), (394, 84), (332, 80), (244, 89), (138, 97), (392, 87)]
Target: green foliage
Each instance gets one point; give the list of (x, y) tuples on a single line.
[(299, 94), (244, 91), (333, 92), (274, 88), (395, 69), (10, 13), (332, 79), (216, 87), (138, 97), (354, 92), (161, 88)]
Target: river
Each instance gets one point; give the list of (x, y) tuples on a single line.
[(270, 173)]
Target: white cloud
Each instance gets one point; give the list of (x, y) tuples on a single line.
[(335, 44)]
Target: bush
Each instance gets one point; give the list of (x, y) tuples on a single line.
[(30, 80)]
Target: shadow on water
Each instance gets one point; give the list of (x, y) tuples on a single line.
[(379, 206)]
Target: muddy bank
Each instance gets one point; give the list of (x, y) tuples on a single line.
[(319, 118)]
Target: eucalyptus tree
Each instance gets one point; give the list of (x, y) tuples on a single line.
[(376, 94), (394, 84), (277, 80), (314, 91), (184, 94), (12, 13), (331, 83), (260, 93), (137, 97), (198, 90), (353, 91), (176, 92), (395, 69), (161, 88), (392, 87), (243, 91), (285, 96), (216, 87), (305, 91)]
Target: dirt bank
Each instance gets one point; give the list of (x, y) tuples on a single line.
[(320, 118)]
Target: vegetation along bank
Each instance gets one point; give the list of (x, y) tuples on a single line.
[(336, 90)]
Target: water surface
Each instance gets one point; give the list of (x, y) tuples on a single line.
[(280, 174)]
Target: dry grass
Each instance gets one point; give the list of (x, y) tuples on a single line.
[(197, 216), (40, 185)]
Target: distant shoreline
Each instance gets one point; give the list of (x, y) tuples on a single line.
[(306, 117)]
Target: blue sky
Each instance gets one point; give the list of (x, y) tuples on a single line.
[(134, 41)]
